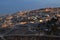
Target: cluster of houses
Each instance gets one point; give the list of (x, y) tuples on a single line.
[(29, 18)]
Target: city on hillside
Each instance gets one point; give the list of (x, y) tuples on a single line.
[(35, 22)]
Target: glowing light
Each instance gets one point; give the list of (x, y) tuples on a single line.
[(0, 18), (46, 10), (40, 20), (32, 22), (21, 13), (11, 24), (29, 17), (47, 19), (4, 25), (58, 15), (23, 23), (9, 17)]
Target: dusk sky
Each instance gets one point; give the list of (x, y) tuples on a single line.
[(12, 6)]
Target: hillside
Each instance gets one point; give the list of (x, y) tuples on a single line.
[(33, 22)]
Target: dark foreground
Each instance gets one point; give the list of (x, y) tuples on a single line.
[(29, 38)]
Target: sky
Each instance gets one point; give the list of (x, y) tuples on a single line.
[(12, 6)]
